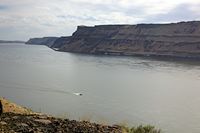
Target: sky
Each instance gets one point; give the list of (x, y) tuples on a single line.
[(23, 19)]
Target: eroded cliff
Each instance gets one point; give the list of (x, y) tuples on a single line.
[(175, 39), (60, 42), (48, 41)]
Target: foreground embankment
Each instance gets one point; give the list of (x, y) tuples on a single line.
[(17, 119)]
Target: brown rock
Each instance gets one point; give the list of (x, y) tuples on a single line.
[(44, 121), (174, 40), (22, 124), (3, 123), (9, 107)]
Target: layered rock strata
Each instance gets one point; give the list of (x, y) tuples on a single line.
[(175, 39)]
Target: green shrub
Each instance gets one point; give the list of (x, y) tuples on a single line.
[(140, 129)]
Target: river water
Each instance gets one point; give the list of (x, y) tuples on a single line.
[(116, 90)]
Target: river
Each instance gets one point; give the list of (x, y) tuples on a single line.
[(126, 90)]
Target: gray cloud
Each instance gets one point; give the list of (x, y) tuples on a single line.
[(87, 18), (182, 12), (3, 7), (29, 18)]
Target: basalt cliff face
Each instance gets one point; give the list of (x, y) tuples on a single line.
[(48, 41), (175, 39), (60, 42)]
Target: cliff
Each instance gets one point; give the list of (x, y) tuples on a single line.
[(60, 42), (175, 39), (48, 41)]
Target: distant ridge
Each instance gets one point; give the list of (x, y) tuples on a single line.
[(48, 41), (180, 39), (5, 41)]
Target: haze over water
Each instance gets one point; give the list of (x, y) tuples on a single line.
[(115, 89)]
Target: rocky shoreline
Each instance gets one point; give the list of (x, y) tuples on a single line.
[(35, 123), (18, 119)]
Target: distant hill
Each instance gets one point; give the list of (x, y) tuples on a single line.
[(4, 41), (169, 40), (172, 40), (48, 41), (60, 41)]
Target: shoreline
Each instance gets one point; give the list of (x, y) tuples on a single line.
[(142, 55), (17, 119)]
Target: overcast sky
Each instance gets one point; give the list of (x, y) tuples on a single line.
[(22, 19)]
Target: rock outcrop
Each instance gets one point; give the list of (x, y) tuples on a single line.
[(176, 39), (19, 123), (17, 119), (60, 42), (48, 41), (9, 107)]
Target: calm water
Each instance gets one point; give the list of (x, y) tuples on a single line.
[(127, 90)]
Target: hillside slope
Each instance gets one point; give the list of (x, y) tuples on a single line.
[(48, 41), (175, 39)]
